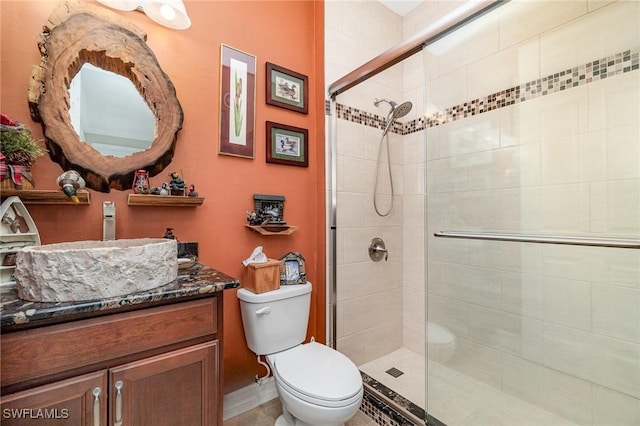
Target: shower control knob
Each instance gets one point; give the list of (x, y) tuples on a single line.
[(377, 250)]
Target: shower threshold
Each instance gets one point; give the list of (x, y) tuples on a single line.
[(393, 401)]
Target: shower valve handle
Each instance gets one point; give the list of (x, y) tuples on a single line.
[(377, 250)]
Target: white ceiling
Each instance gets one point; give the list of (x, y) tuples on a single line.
[(402, 7)]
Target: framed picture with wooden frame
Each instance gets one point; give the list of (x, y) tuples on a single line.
[(237, 102), (287, 89), (287, 145)]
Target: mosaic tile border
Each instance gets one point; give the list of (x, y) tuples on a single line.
[(590, 72), (382, 413), (372, 404)]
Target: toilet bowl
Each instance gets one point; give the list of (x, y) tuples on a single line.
[(441, 342), (316, 385)]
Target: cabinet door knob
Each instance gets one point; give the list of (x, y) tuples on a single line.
[(96, 406), (118, 419)]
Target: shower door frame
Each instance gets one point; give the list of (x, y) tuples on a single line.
[(459, 17)]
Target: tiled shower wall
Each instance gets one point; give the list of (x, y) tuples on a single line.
[(531, 117), (370, 314), (545, 139)]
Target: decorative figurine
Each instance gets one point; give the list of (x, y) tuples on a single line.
[(254, 219), (177, 185), (70, 181), (192, 191), (160, 190), (168, 234), (141, 182)]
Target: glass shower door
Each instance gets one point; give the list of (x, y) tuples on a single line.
[(533, 135)]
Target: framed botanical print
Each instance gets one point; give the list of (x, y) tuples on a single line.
[(237, 102), (287, 89), (287, 145)]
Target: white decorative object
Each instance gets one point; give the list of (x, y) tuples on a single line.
[(90, 270), (17, 231)]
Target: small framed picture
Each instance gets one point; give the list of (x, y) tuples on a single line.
[(292, 269), (287, 145), (237, 102), (287, 89)]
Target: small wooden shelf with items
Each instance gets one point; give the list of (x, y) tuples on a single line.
[(267, 217), (44, 196), (164, 200), (273, 230)]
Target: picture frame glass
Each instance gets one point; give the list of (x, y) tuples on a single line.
[(292, 270), (287, 145), (287, 89), (237, 102)]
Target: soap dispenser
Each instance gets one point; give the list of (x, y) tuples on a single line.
[(108, 221)]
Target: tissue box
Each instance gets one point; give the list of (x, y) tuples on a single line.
[(262, 277)]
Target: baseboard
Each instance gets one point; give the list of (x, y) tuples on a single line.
[(248, 398)]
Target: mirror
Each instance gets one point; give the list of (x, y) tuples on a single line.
[(79, 33), (107, 112)]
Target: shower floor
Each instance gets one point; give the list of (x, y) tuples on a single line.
[(455, 399)]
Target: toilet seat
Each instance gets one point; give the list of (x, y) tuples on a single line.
[(317, 374)]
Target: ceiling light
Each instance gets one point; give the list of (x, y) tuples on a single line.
[(170, 13)]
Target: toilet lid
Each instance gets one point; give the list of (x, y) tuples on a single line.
[(319, 372)]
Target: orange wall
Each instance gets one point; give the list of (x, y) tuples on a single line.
[(287, 33)]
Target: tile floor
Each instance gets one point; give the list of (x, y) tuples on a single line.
[(267, 413), (454, 398)]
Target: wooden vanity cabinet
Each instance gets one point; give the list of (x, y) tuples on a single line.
[(67, 402), (159, 366)]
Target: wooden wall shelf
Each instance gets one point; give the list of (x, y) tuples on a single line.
[(164, 200), (260, 230), (44, 196)]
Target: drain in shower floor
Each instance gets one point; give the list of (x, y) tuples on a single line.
[(394, 372)]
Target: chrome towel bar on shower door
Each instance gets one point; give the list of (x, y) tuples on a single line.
[(543, 239)]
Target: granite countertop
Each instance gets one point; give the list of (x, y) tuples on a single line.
[(199, 280)]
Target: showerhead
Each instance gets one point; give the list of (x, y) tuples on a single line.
[(396, 111), (401, 110)]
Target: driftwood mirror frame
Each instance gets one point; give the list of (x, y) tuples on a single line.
[(77, 33)]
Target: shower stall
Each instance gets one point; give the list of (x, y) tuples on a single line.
[(506, 285)]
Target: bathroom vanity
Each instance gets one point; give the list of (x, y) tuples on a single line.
[(152, 358)]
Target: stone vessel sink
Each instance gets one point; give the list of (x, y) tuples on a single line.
[(90, 270)]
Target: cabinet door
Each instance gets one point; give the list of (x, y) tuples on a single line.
[(179, 388), (78, 401)]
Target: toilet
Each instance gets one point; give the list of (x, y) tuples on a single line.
[(441, 342), (317, 385)]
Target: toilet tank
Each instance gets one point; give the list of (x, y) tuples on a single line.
[(275, 320)]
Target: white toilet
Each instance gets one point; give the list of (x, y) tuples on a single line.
[(317, 385), (441, 342)]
